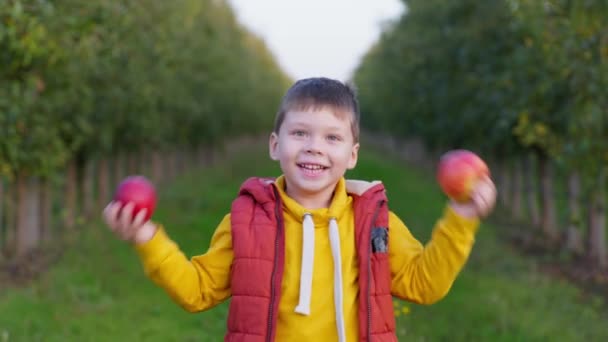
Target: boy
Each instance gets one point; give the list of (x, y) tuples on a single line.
[(310, 255)]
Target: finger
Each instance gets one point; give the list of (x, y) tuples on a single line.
[(480, 203), (137, 224), (110, 214), (488, 191), (492, 199), (486, 197), (126, 214), (487, 181), (105, 213), (483, 182), (125, 219), (140, 217)]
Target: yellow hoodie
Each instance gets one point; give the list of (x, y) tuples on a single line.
[(421, 274)]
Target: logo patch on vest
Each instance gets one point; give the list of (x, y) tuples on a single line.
[(379, 240)]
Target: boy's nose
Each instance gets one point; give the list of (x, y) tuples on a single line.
[(314, 146), (313, 151)]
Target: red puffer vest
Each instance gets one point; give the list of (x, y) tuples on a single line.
[(258, 241)]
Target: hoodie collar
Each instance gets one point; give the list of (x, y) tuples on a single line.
[(321, 216)]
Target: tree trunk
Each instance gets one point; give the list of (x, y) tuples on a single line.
[(210, 156), (200, 156), (505, 184), (88, 189), (71, 194), (144, 163), (574, 241), (205, 156), (28, 227), (548, 223), (10, 221), (516, 198), (173, 165), (157, 168), (179, 163), (103, 196), (531, 190), (46, 232), (597, 229), (3, 228), (132, 163), (119, 167), (191, 159)]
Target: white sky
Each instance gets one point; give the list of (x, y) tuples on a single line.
[(317, 37)]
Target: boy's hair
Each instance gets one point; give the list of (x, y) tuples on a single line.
[(319, 92)]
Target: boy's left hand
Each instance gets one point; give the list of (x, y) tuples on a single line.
[(481, 204)]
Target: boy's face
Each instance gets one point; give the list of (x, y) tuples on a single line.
[(314, 149)]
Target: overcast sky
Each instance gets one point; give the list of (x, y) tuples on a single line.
[(317, 37)]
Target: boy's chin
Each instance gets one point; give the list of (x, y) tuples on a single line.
[(314, 186)]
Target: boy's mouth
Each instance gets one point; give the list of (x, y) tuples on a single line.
[(312, 169)]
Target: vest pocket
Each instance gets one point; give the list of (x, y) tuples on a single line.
[(379, 240)]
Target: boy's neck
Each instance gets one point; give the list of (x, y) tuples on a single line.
[(312, 201)]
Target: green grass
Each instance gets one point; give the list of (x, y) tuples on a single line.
[(98, 291)]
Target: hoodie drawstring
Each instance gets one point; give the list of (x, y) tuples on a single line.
[(308, 252), (334, 239)]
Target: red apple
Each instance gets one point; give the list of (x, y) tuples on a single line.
[(140, 191), (458, 171)]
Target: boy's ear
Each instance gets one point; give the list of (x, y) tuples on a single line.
[(273, 146), (353, 156)]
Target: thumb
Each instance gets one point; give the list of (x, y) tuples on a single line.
[(145, 233)]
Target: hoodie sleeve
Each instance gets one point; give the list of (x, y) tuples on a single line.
[(425, 274), (196, 284)]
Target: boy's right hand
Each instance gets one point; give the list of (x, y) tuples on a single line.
[(119, 221)]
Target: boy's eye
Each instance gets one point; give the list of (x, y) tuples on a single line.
[(333, 137), (298, 133)]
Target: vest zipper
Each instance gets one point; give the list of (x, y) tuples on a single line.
[(274, 268), (369, 273)]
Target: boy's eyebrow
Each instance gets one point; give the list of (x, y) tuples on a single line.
[(335, 128)]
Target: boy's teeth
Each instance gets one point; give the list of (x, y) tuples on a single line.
[(311, 167)]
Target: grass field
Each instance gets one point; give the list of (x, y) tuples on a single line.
[(97, 291)]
